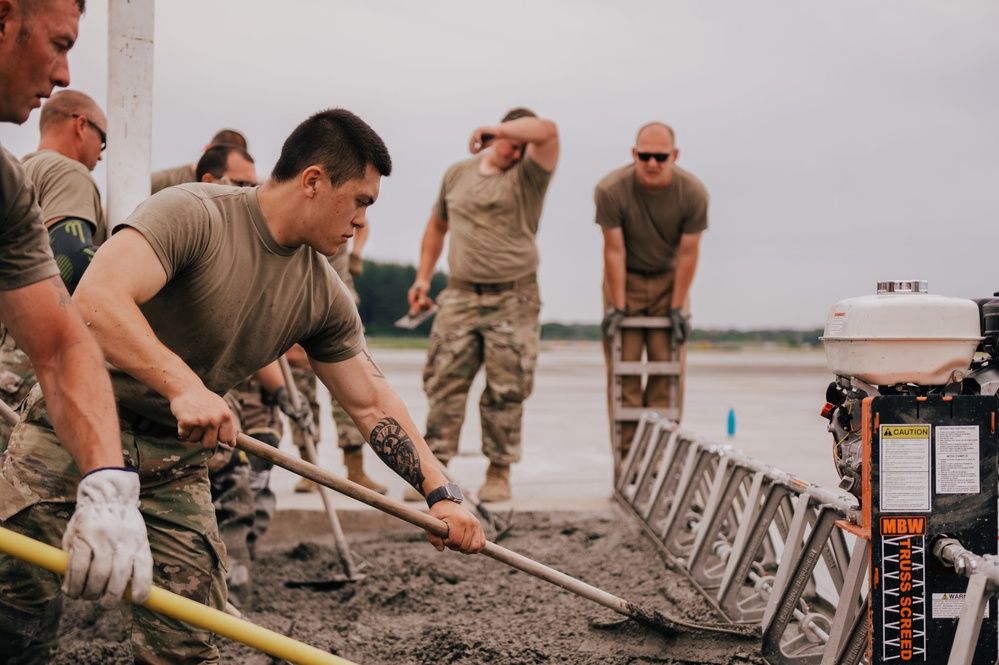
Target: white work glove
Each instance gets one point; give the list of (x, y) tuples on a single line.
[(106, 540)]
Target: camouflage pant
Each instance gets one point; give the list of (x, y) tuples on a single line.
[(347, 433), (499, 331), (38, 481), (17, 376)]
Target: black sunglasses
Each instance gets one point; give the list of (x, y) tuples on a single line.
[(100, 132), (660, 156)]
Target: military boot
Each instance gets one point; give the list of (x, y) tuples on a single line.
[(353, 459), (497, 485)]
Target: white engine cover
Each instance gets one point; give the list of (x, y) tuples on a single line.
[(902, 335)]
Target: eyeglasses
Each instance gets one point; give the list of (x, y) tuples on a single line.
[(659, 156), (226, 180), (100, 132)]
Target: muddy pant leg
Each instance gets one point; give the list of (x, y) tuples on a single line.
[(510, 341), (30, 597), (188, 554), (38, 481), (453, 358), (185, 564), (264, 501), (305, 381), (232, 499)]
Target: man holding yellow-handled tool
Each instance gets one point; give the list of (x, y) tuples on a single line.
[(106, 538), (173, 300)]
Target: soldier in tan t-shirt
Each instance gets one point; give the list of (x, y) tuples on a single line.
[(201, 286), (179, 175), (73, 131), (652, 214), (105, 529), (488, 313)]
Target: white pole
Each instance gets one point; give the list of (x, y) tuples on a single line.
[(130, 105)]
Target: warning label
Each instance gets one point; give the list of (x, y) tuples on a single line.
[(957, 460), (905, 467), (948, 605)]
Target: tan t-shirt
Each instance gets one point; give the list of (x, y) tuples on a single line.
[(25, 253), (652, 223), (175, 175), (493, 219), (66, 189), (235, 299)]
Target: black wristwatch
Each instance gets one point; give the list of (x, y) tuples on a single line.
[(449, 491)]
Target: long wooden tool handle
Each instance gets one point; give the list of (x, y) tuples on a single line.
[(434, 525), (311, 456), (8, 413), (183, 609)]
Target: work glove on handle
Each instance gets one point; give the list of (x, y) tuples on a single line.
[(302, 416), (612, 321), (680, 323), (106, 540)]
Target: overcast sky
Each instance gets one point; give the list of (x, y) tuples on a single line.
[(841, 143)]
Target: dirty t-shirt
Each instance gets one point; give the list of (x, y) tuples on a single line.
[(25, 255), (235, 299), (175, 175), (652, 223), (66, 189), (493, 219)]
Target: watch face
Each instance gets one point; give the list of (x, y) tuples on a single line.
[(453, 492)]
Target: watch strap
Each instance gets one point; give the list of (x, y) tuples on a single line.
[(449, 491)]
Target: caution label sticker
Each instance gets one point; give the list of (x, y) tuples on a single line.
[(905, 468)]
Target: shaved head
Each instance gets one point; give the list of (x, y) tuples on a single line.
[(658, 125), (63, 104)]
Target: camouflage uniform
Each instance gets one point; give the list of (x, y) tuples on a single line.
[(244, 503), (499, 330), (17, 376), (37, 495)]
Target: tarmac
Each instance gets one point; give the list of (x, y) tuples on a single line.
[(776, 396)]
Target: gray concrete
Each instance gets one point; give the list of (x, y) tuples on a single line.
[(776, 395)]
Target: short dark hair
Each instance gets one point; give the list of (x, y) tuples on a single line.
[(215, 159), (230, 137), (336, 140), (519, 112), (29, 8)]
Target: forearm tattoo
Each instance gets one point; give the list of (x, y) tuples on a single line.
[(396, 449)]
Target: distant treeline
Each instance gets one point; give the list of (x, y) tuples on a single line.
[(383, 288)]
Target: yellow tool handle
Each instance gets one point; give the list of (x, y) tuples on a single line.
[(180, 608)]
